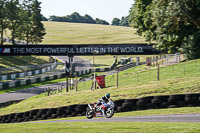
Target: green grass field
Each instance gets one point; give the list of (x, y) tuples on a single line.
[(78, 33), (81, 33), (94, 127)]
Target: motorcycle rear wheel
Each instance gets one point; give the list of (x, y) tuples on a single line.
[(89, 114), (110, 113)]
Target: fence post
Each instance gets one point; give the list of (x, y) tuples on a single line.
[(67, 81), (137, 60), (61, 87), (156, 60), (153, 61), (158, 74), (48, 91), (95, 83), (55, 90), (176, 56), (117, 78), (76, 84)]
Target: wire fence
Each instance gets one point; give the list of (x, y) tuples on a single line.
[(186, 69), (151, 73), (144, 74)]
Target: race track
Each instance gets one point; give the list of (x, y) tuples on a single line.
[(194, 118)]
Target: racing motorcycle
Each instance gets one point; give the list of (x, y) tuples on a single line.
[(108, 109)]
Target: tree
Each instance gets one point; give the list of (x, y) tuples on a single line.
[(174, 25), (178, 23), (75, 17), (25, 24), (140, 17), (53, 18), (32, 30), (44, 18), (3, 19), (100, 21), (115, 21), (88, 19), (124, 21), (38, 30), (13, 10)]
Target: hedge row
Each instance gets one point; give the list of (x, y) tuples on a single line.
[(123, 105)]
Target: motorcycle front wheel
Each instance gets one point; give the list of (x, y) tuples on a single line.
[(110, 113), (89, 114)]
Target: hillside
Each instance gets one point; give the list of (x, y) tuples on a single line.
[(78, 33)]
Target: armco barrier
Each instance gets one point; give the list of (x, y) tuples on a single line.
[(123, 105)]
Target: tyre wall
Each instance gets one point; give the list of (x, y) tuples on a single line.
[(5, 104), (122, 105)]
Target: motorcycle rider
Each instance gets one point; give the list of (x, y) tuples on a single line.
[(104, 99)]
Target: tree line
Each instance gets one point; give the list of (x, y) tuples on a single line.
[(173, 25), (77, 18), (22, 19), (124, 21)]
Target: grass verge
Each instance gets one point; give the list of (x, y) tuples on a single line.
[(94, 127)]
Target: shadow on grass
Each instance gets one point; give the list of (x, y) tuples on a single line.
[(13, 61)]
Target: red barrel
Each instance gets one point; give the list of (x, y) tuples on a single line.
[(101, 81)]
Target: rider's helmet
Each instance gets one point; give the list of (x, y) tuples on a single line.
[(107, 95)]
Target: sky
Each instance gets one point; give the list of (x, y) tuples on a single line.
[(102, 9)]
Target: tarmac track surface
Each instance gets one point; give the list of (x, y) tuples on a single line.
[(194, 118)]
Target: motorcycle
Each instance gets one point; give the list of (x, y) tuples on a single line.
[(96, 112)]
